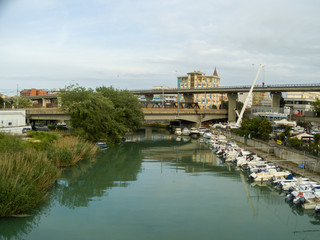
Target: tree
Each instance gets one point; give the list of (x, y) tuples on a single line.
[(22, 102), (239, 105), (72, 94), (105, 114), (93, 119), (316, 141), (1, 102), (224, 105), (282, 102), (127, 107), (295, 142), (265, 129), (257, 128), (316, 106)]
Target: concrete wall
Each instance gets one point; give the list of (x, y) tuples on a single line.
[(12, 118), (13, 121)]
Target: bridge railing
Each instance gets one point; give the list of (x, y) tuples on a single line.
[(236, 86)]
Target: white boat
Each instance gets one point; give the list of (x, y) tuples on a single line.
[(194, 131), (185, 132), (267, 176), (202, 130), (311, 203), (207, 134), (178, 131), (102, 145)]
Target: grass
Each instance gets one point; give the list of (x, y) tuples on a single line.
[(45, 139), (25, 178), (68, 150), (29, 169)]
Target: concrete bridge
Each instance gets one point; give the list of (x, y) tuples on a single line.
[(188, 95), (190, 115), (232, 93), (46, 114), (151, 115)]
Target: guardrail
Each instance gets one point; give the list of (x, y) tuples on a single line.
[(229, 87)]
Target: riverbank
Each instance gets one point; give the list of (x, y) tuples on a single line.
[(29, 167), (271, 153)]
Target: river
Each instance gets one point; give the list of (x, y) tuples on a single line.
[(155, 187)]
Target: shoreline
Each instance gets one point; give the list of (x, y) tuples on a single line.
[(282, 163)]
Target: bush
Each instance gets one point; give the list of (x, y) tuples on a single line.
[(10, 143), (295, 143), (44, 137)]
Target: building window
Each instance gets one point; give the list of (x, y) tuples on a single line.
[(9, 123)]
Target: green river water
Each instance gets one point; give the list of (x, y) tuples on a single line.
[(161, 188)]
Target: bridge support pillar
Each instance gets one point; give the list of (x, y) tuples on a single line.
[(232, 102), (149, 98), (42, 102), (276, 97)]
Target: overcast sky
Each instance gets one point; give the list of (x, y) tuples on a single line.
[(138, 44)]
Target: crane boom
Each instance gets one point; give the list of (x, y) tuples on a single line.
[(239, 121)]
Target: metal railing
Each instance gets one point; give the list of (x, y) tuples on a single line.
[(230, 87)]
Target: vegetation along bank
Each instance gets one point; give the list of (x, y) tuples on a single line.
[(29, 167)]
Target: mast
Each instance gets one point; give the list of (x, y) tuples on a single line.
[(239, 121)]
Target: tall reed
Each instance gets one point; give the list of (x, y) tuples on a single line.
[(68, 150), (25, 178)]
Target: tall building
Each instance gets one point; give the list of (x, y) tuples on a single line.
[(32, 92), (260, 99), (198, 79)]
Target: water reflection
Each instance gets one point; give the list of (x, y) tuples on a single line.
[(20, 227), (92, 180), (120, 166), (149, 134)]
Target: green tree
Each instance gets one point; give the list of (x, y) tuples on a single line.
[(224, 105), (104, 114), (239, 105), (127, 107), (282, 102), (316, 106), (245, 131), (264, 129), (295, 142), (316, 141), (253, 127), (22, 102), (72, 94), (94, 119)]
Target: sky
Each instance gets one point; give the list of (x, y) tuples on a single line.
[(138, 44)]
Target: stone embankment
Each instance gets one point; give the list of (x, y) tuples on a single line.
[(284, 157)]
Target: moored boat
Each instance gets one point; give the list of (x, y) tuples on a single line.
[(178, 132), (185, 132), (194, 131)]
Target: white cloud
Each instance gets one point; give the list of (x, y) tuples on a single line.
[(145, 43)]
